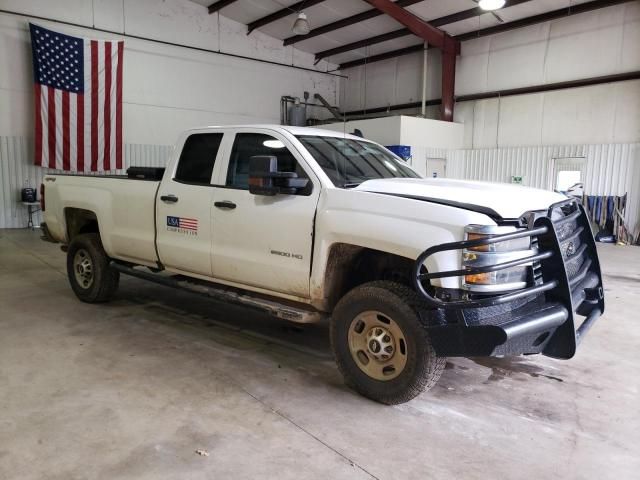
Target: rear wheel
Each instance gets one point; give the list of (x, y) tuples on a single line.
[(381, 346), (90, 276)]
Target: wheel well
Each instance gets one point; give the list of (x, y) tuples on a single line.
[(350, 265), (80, 221)]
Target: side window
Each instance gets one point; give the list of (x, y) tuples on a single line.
[(198, 157), (247, 145)]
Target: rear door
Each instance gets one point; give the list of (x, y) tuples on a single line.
[(263, 241), (183, 206)]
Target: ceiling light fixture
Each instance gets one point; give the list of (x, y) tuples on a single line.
[(301, 25), (491, 4)]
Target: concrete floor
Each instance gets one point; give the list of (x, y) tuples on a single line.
[(133, 388)]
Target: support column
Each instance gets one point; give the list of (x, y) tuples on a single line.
[(449, 53), (423, 110)]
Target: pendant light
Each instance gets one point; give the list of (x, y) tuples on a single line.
[(491, 4), (301, 25)]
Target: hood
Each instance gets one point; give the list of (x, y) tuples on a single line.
[(507, 201)]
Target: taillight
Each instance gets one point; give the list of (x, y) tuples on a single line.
[(42, 197)]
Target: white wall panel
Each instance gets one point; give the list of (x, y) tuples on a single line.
[(17, 168), (607, 113), (516, 57), (592, 44), (589, 44), (391, 82)]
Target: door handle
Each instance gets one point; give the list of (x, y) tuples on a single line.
[(169, 198), (225, 204)]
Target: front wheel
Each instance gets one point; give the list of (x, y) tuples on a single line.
[(90, 276), (381, 346)]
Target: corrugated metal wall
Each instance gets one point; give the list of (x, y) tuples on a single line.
[(534, 164), (610, 169), (17, 168)]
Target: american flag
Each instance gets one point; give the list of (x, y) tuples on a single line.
[(78, 101), (182, 222)]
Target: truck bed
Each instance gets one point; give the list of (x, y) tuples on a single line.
[(124, 210), (133, 173)]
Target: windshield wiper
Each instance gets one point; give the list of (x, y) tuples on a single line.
[(351, 185)]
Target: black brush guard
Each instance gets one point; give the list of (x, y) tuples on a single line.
[(565, 282)]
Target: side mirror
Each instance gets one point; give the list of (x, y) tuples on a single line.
[(265, 179)]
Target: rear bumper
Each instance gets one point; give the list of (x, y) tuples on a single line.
[(46, 234), (543, 318)]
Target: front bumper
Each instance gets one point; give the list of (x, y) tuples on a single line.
[(566, 283)]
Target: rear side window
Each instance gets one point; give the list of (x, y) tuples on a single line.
[(198, 157), (247, 145)]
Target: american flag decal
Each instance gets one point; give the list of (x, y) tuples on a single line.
[(78, 101), (190, 224)]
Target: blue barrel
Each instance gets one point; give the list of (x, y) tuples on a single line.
[(403, 151)]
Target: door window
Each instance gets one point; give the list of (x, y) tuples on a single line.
[(567, 179), (247, 145), (569, 173), (198, 157)]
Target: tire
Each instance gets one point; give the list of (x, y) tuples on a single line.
[(412, 366), (88, 269)]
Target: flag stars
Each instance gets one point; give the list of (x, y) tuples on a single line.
[(58, 60)]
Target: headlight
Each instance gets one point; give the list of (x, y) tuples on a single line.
[(486, 255)]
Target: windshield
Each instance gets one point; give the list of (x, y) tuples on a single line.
[(349, 162)]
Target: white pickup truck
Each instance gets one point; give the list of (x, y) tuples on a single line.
[(307, 223)]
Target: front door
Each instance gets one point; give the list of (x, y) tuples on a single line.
[(183, 207), (263, 241), (436, 168)]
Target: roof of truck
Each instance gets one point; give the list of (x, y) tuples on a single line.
[(322, 132)]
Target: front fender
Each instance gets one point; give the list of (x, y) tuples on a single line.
[(401, 226)]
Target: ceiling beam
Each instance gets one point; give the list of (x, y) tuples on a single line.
[(436, 22), (430, 34), (284, 12), (363, 43), (219, 5), (345, 22), (503, 27)]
